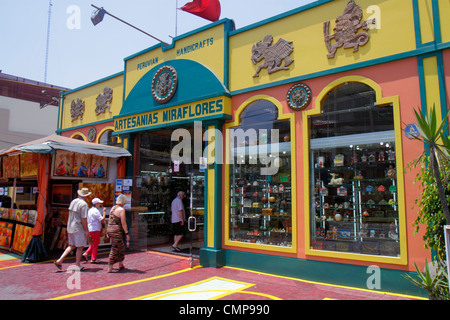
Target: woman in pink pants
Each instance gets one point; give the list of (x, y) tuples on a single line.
[(94, 220)]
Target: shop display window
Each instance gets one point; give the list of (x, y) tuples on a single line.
[(353, 179), (260, 201)]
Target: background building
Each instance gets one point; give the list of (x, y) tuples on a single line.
[(27, 110)]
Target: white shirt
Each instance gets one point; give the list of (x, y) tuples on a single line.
[(94, 219), (78, 210)]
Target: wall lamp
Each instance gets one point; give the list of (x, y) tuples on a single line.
[(98, 15)]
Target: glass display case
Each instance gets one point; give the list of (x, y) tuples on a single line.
[(353, 178), (354, 198), (260, 182)]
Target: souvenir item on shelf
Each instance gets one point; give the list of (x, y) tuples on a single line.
[(381, 188), (364, 158), (247, 203), (255, 183), (342, 191), (255, 194), (275, 189), (345, 233), (391, 201), (286, 139), (281, 188), (326, 205), (255, 205), (267, 211), (370, 201), (346, 204), (335, 180), (391, 172), (391, 155), (393, 188), (383, 202), (354, 158), (381, 156), (320, 162), (339, 160), (372, 158), (264, 199), (369, 188), (338, 217), (323, 192), (320, 232), (366, 213), (272, 199), (359, 176)]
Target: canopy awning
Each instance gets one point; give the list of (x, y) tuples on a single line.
[(55, 142)]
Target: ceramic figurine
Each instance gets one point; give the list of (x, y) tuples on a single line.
[(391, 172)]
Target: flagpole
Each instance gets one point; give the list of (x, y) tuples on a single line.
[(176, 18)]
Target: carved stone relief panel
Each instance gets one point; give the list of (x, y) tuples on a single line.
[(103, 101), (77, 109), (346, 30), (273, 55)]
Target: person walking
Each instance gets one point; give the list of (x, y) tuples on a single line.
[(77, 228), (178, 219), (117, 226), (94, 220)]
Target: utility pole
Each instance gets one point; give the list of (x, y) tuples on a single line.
[(48, 39)]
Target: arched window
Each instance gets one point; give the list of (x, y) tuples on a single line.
[(260, 199), (78, 137), (108, 139), (353, 187)]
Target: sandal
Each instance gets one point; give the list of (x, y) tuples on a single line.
[(176, 249), (58, 265), (85, 258)]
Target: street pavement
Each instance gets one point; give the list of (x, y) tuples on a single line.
[(152, 275)]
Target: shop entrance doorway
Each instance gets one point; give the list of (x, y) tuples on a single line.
[(158, 181)]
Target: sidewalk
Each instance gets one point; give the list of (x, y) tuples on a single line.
[(159, 276)]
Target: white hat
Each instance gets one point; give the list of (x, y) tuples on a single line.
[(84, 192), (96, 200)]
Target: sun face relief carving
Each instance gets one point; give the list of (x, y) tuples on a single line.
[(164, 84)]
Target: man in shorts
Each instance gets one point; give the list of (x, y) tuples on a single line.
[(77, 228), (178, 219)]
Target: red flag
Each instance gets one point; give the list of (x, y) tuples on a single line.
[(207, 9)]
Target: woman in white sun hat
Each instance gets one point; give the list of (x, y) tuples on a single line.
[(94, 220)]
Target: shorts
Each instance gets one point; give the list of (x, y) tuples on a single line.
[(77, 239), (178, 229)]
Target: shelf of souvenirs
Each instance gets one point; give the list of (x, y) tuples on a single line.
[(365, 234), (267, 216), (342, 219)]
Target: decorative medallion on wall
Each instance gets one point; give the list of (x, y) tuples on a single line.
[(298, 97), (92, 134), (77, 109), (272, 54), (346, 30), (164, 84), (103, 101)]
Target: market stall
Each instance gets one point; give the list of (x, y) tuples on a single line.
[(38, 180)]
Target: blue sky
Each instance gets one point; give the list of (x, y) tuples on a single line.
[(80, 53)]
